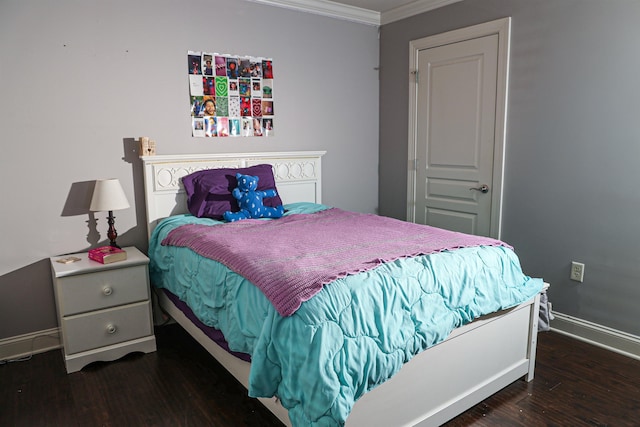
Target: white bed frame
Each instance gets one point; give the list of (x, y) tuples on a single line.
[(473, 363)]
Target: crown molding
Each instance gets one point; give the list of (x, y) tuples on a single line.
[(328, 8), (413, 8), (358, 14)]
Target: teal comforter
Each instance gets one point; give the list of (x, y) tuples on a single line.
[(352, 336)]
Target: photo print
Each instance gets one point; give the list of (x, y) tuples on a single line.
[(234, 126), (256, 88), (195, 85), (197, 124), (232, 68), (234, 106), (233, 88), (195, 63), (221, 66), (267, 127), (267, 88), (210, 126), (209, 86), (244, 87), (207, 69)]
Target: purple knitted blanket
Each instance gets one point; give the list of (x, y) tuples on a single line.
[(290, 259)]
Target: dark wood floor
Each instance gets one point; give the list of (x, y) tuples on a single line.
[(576, 384)]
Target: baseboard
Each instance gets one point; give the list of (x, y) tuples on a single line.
[(602, 336), (25, 345), (593, 333)]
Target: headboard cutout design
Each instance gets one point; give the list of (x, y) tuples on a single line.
[(297, 173)]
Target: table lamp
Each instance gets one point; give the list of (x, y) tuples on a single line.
[(108, 195)]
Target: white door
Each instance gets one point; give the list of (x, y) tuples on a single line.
[(457, 134)]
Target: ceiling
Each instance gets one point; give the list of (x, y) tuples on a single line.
[(372, 12)]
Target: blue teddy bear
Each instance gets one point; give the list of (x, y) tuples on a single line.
[(250, 200)]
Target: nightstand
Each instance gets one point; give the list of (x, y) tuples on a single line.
[(104, 310)]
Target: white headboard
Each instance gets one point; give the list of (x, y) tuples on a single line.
[(297, 175)]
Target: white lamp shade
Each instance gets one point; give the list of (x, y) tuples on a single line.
[(108, 195)]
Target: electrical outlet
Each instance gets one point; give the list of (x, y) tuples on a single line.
[(577, 271)]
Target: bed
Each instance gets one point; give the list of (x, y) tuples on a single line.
[(473, 362)]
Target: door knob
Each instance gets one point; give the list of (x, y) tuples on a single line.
[(484, 188)]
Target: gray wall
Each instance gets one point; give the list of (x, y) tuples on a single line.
[(79, 80), (572, 185)]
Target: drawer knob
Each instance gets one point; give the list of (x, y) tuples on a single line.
[(107, 290), (111, 329)]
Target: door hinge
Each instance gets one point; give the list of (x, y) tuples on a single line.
[(415, 75)]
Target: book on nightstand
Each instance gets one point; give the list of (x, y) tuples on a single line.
[(107, 254)]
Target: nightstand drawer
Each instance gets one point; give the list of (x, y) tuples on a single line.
[(106, 327), (109, 288)]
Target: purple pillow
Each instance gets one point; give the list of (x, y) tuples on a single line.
[(209, 191)]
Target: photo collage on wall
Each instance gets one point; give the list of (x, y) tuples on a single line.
[(230, 96)]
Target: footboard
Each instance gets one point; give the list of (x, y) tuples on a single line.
[(475, 362)]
